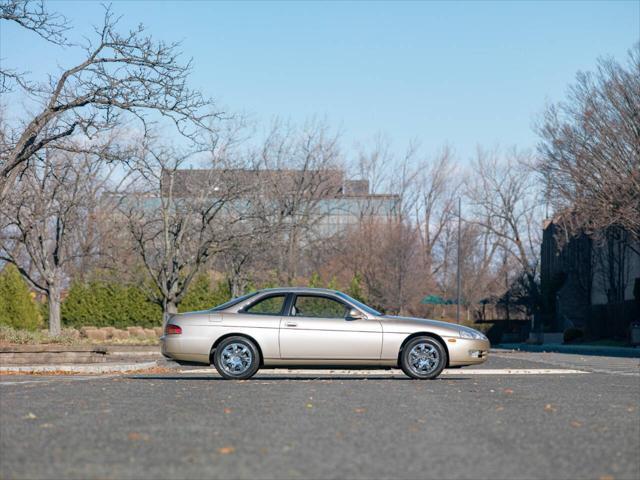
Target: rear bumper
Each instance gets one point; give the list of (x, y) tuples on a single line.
[(177, 347), (463, 351)]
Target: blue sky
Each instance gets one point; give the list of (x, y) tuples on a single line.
[(462, 73)]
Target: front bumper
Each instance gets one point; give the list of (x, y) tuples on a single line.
[(465, 351)]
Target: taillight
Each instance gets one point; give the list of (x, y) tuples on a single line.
[(171, 329)]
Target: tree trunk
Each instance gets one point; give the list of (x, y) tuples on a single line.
[(237, 286), (169, 308), (53, 299)]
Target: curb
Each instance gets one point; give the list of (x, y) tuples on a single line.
[(101, 368), (596, 350)]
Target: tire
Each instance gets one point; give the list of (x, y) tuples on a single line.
[(236, 358), (423, 358)]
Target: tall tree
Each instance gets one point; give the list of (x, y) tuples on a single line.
[(43, 225), (301, 171), (178, 221), (506, 201), (124, 77), (590, 148)]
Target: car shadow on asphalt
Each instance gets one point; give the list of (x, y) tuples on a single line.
[(281, 377)]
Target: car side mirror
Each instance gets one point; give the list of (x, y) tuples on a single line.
[(355, 314)]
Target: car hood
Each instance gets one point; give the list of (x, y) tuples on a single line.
[(394, 323)]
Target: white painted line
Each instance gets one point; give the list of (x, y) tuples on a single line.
[(371, 373), (513, 371)]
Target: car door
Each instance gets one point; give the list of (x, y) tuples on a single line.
[(317, 327), (260, 320)]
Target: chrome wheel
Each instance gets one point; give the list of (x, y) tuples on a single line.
[(236, 358), (423, 358)]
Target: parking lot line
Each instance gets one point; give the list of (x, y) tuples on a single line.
[(370, 373)]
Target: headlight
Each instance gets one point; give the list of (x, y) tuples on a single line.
[(471, 334)]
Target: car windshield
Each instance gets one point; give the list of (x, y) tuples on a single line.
[(358, 304), (233, 302)]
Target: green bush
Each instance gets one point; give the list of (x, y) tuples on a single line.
[(18, 309), (315, 281), (355, 289), (104, 303), (571, 334), (109, 304), (202, 296)]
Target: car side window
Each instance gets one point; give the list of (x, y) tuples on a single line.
[(314, 306), (267, 306)]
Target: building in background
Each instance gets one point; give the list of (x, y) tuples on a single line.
[(334, 202), (591, 282)]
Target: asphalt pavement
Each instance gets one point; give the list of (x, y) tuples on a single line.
[(467, 425)]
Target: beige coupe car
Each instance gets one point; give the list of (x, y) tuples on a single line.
[(312, 327)]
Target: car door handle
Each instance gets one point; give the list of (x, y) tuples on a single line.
[(291, 324)]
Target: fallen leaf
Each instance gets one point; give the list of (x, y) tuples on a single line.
[(226, 450), (135, 436), (46, 425), (29, 416), (309, 405), (606, 477), (507, 391), (499, 408), (360, 410), (549, 408), (228, 410), (576, 424)]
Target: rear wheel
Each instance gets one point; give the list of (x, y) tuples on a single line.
[(423, 358), (236, 358)]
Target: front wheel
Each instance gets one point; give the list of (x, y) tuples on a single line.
[(236, 358), (423, 358)]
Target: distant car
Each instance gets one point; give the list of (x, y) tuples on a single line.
[(311, 327)]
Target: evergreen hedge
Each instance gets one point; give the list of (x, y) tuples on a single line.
[(18, 309), (109, 304), (103, 303), (202, 296)]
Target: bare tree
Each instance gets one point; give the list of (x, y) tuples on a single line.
[(123, 77), (590, 148), (505, 200), (300, 173), (178, 221), (43, 223), (438, 185)]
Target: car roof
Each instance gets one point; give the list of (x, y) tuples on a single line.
[(297, 290)]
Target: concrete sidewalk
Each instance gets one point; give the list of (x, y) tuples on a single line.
[(603, 351)]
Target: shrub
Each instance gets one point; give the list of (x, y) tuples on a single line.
[(18, 309), (571, 334), (355, 289), (109, 304), (202, 296), (315, 281), (105, 303)]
